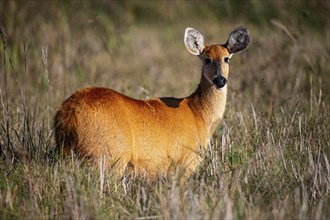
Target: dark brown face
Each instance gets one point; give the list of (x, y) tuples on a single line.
[(216, 65)]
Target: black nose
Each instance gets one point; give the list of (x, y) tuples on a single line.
[(219, 82)]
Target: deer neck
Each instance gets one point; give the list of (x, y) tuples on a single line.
[(209, 104)]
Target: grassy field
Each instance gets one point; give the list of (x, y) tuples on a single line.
[(269, 159)]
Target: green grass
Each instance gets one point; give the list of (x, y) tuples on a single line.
[(269, 159)]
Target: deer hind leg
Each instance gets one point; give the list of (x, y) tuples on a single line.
[(115, 157), (119, 165), (65, 125)]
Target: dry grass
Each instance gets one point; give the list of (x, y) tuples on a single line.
[(268, 159)]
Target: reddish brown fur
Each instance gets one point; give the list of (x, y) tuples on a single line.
[(150, 135)]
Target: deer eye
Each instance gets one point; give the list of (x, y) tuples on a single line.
[(226, 59), (207, 61)]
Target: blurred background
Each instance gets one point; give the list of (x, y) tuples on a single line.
[(137, 47)]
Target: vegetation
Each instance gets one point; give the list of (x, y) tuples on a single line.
[(268, 159)]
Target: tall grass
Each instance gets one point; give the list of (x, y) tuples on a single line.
[(268, 159)]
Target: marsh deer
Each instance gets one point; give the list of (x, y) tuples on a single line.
[(150, 135)]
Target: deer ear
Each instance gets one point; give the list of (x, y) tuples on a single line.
[(194, 41), (238, 40)]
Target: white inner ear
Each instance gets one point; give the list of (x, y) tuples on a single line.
[(194, 41)]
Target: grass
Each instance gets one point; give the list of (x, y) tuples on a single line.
[(269, 159)]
